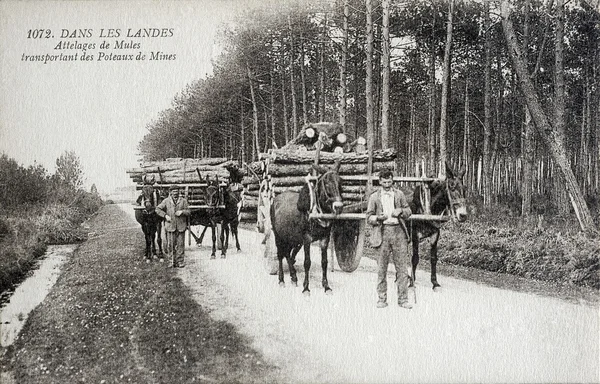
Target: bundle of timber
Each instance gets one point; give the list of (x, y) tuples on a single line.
[(189, 174), (181, 171), (332, 138), (284, 170)]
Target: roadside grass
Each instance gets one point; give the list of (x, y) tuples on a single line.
[(25, 233), (112, 318)]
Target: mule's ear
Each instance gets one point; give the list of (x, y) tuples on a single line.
[(461, 172), (318, 168), (449, 171)]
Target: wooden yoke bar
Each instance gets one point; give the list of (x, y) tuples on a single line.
[(363, 216)]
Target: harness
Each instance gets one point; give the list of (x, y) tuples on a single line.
[(313, 192)]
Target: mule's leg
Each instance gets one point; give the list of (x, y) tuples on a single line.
[(213, 255), (306, 291), (159, 239), (434, 259), (282, 252), (290, 261), (324, 244), (415, 257), (224, 240), (148, 239), (234, 232)]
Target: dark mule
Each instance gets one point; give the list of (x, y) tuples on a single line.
[(210, 216), (149, 220), (293, 229), (232, 198), (447, 196)]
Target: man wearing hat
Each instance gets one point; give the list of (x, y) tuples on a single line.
[(175, 211)]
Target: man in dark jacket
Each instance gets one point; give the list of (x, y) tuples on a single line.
[(386, 211), (175, 211)]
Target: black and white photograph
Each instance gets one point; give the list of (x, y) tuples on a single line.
[(299, 191)]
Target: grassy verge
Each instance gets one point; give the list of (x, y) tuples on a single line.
[(112, 318), (549, 254), (25, 232)]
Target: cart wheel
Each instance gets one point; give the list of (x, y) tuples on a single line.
[(348, 239)]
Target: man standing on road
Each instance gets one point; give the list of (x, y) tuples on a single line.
[(175, 211), (386, 211)]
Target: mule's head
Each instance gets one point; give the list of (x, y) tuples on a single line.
[(148, 197), (450, 194), (329, 189), (212, 196)]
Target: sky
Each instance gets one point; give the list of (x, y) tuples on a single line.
[(99, 108)]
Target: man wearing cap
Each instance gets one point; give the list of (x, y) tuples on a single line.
[(175, 211), (386, 211)]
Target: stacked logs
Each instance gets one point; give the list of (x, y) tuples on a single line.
[(189, 174), (286, 170)]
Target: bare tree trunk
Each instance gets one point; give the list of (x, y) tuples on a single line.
[(303, 80), (343, 64), (385, 102), (272, 100), (527, 145), (242, 133), (369, 85), (445, 90), (542, 125), (560, 193), (286, 128), (254, 114), (466, 129), (431, 131), (293, 81), (322, 72)]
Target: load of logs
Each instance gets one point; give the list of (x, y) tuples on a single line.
[(286, 169), (189, 174)]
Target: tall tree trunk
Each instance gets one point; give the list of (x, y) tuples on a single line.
[(254, 114), (431, 131), (286, 127), (527, 146), (369, 84), (560, 193), (445, 90), (322, 71), (542, 125), (242, 132), (343, 67), (385, 102), (466, 130), (272, 101), (303, 81), (293, 81)]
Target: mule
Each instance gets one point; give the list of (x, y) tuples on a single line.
[(209, 217), (232, 198), (293, 229), (447, 196), (150, 221)]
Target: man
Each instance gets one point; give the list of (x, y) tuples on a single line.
[(386, 211), (175, 211)]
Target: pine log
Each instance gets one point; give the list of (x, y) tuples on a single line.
[(153, 166), (345, 169), (185, 178), (279, 156), (250, 203)]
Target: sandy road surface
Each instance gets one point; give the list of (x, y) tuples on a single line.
[(465, 333)]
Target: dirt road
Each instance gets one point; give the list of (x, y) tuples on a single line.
[(465, 333)]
